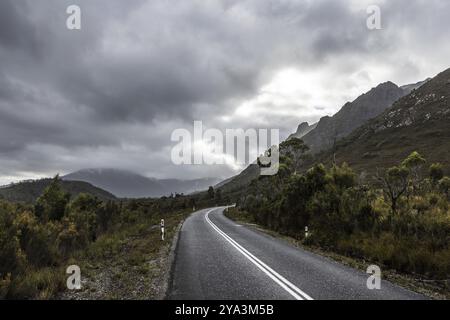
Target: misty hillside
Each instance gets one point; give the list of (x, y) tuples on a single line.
[(128, 184), (29, 191)]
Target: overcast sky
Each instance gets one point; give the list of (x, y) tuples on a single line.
[(110, 94)]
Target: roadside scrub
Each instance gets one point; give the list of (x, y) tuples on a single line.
[(398, 219), (129, 263), (116, 244)]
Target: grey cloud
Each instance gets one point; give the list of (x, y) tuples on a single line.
[(16, 32), (139, 69)]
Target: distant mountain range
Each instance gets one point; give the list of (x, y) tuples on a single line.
[(29, 191), (127, 184), (378, 129)]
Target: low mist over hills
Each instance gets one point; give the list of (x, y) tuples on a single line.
[(128, 184)]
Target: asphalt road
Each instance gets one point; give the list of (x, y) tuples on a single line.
[(217, 258)]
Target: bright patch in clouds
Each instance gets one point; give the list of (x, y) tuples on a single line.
[(294, 96)]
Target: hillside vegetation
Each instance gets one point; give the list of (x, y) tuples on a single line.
[(352, 115), (381, 194), (401, 220), (419, 122), (116, 244), (29, 191)]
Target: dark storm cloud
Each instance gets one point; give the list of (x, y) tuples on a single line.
[(16, 32), (113, 91)]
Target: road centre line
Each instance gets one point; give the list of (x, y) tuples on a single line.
[(275, 276)]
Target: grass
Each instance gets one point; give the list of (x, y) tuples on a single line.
[(39, 284), (128, 263)]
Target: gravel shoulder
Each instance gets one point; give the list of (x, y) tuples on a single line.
[(132, 264)]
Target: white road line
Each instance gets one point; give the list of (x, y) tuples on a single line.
[(275, 276)]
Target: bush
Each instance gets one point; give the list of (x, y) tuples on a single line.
[(402, 222), (444, 185), (436, 172), (12, 258), (40, 284), (51, 205)]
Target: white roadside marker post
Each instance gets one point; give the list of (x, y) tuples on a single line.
[(162, 229), (306, 232)]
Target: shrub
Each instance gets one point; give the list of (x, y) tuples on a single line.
[(37, 284), (51, 205), (436, 172), (5, 283), (444, 185), (12, 258), (405, 225)]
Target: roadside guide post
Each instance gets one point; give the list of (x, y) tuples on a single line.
[(162, 229)]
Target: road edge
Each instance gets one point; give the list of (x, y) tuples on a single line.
[(171, 262)]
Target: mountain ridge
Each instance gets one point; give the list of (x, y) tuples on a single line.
[(419, 121), (28, 191), (368, 105), (303, 129), (128, 184), (252, 171)]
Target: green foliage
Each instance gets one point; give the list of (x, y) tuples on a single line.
[(40, 284), (218, 195), (395, 184), (414, 160), (414, 163), (12, 258), (400, 221), (295, 149), (52, 204), (211, 192), (444, 185), (436, 172), (29, 191), (343, 177), (37, 242)]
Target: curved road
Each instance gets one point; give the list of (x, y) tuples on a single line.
[(216, 258)]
